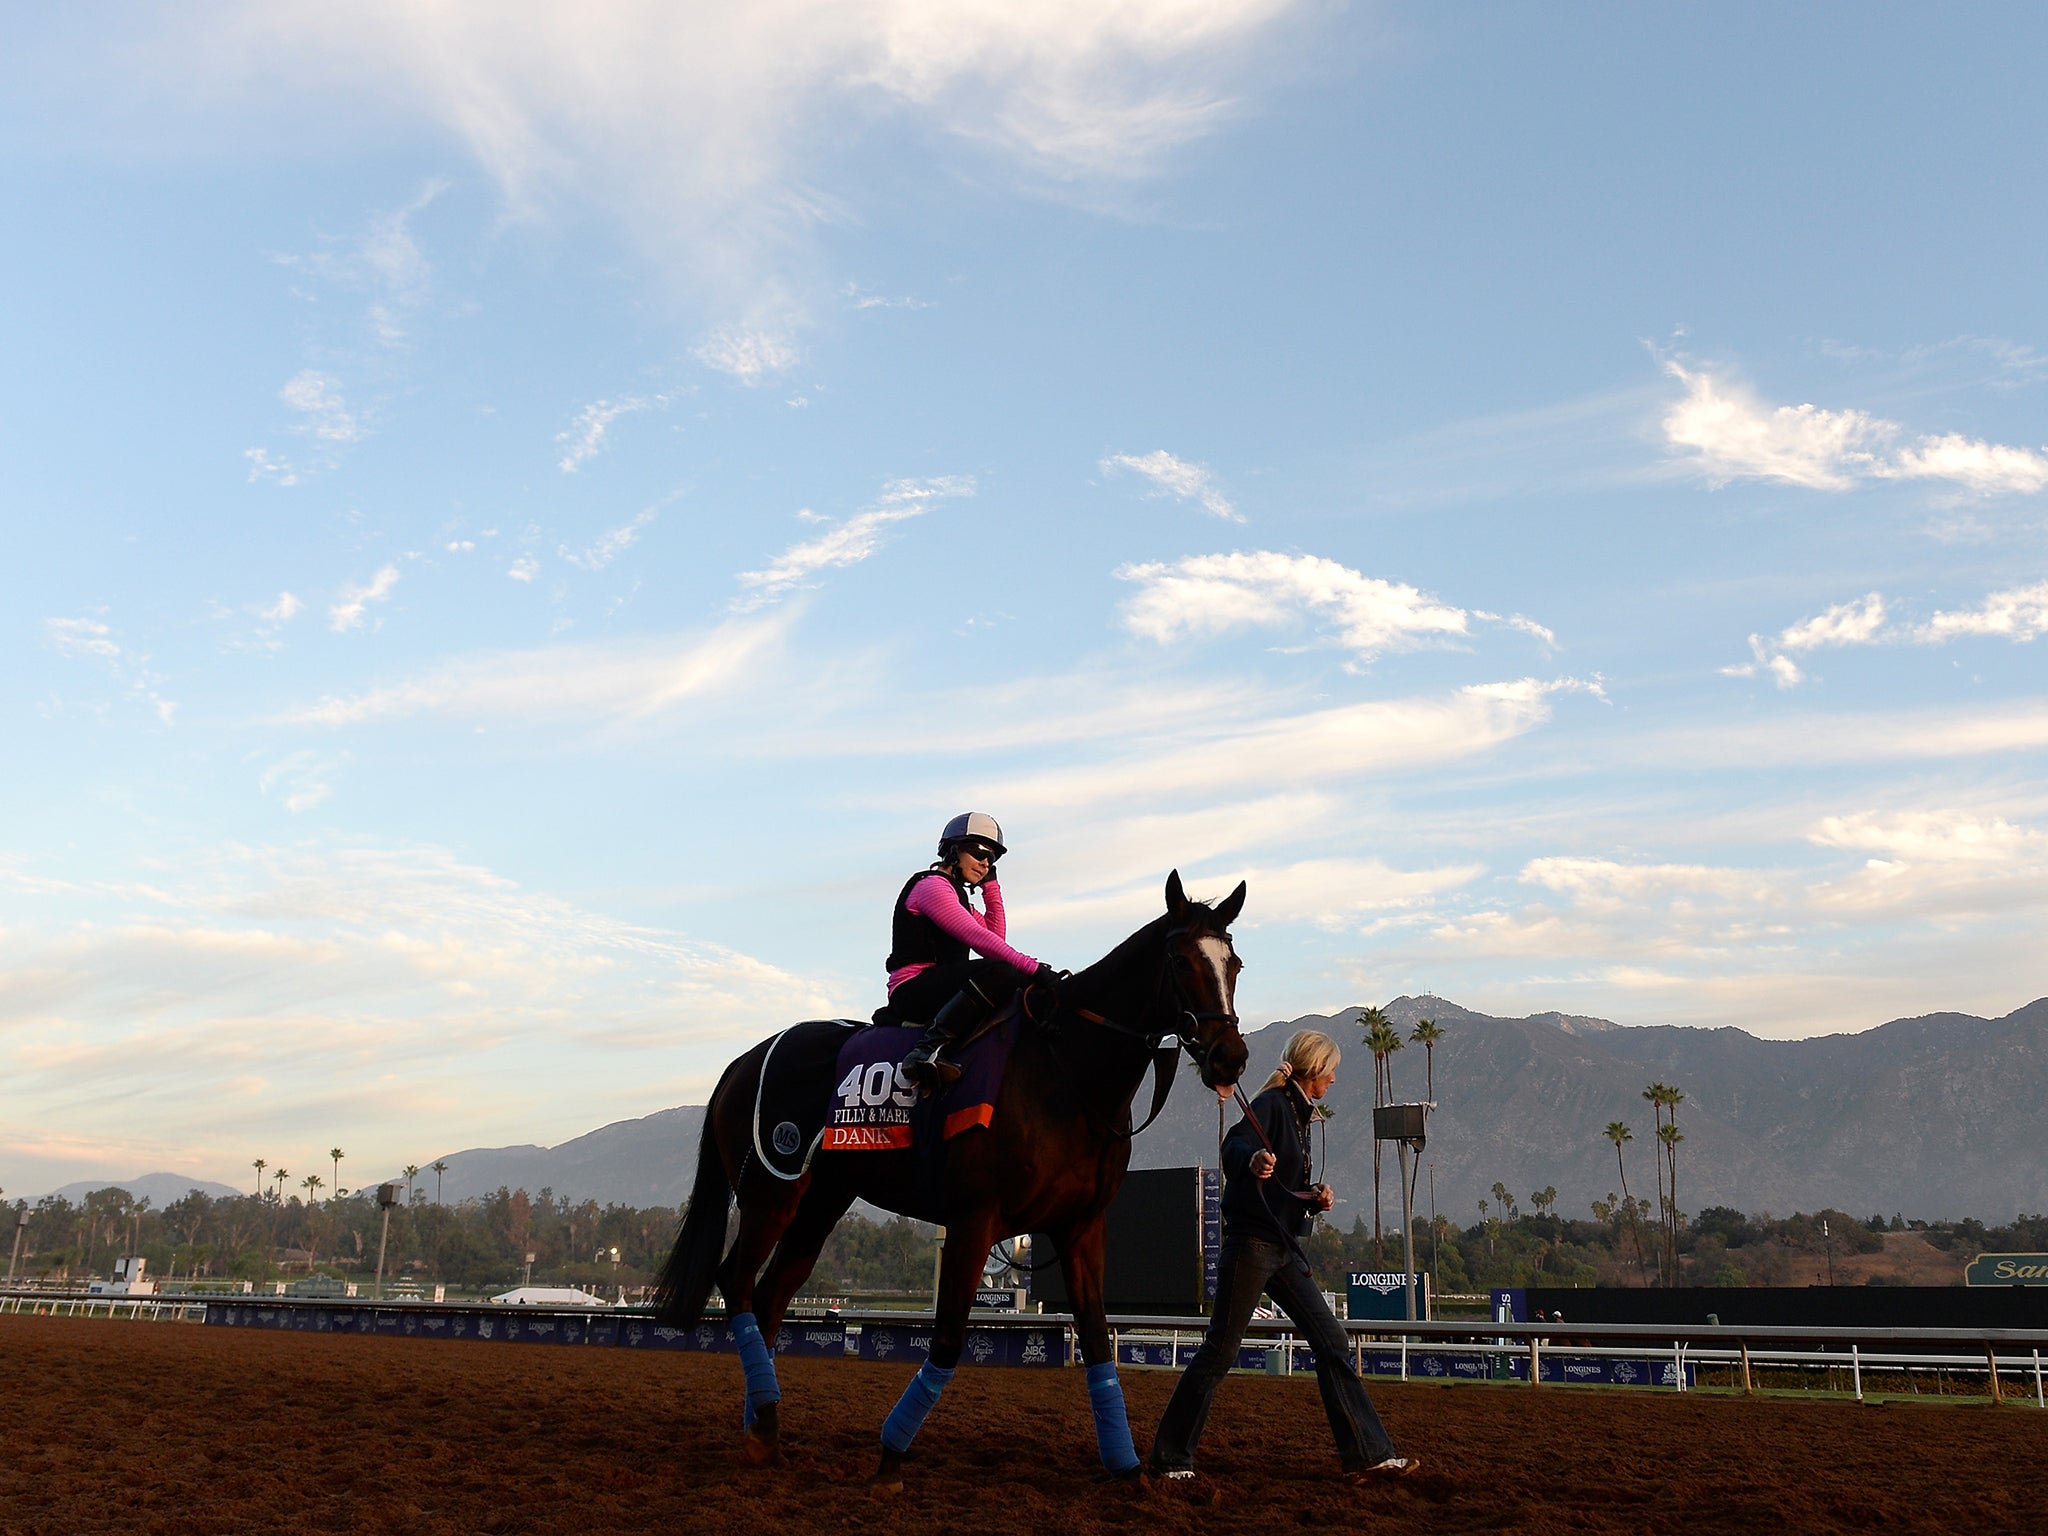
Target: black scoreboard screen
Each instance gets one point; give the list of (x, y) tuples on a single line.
[(1163, 1229)]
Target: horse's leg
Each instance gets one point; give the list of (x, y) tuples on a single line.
[(1081, 1257), (796, 1253), (765, 1214), (967, 1243)]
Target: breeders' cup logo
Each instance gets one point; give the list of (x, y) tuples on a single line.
[(706, 1336), (885, 1343), (787, 1138), (981, 1347), (1432, 1365), (1625, 1371)]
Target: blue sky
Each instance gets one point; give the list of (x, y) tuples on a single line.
[(525, 524)]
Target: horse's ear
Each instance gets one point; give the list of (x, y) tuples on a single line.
[(1233, 904), (1176, 898)]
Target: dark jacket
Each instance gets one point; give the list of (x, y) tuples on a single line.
[(1259, 1207)]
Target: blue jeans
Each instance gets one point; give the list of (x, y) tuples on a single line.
[(1247, 1267)]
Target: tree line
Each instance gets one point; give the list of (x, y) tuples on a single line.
[(476, 1245)]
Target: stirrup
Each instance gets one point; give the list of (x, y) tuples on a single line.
[(932, 1073)]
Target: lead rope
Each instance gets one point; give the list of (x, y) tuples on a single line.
[(1265, 1198)]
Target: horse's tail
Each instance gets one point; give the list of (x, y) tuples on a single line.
[(692, 1267)]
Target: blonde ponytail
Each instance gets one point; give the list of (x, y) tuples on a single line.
[(1309, 1053)]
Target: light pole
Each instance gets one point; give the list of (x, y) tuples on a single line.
[(20, 1227), (1404, 1125), (387, 1197), (529, 1271)]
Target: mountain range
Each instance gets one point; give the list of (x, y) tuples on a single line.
[(1945, 1115)]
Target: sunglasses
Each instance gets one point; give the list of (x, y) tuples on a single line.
[(980, 851)]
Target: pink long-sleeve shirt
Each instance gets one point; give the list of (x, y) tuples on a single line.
[(934, 901)]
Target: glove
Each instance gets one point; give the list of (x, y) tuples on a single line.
[(1046, 976)]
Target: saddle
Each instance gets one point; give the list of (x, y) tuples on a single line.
[(836, 1086)]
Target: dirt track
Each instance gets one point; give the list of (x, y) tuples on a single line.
[(123, 1427)]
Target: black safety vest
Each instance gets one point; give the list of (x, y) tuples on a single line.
[(915, 940)]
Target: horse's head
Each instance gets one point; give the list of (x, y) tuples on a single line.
[(1202, 969)]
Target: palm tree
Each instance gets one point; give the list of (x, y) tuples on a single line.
[(1618, 1132), (1381, 1041), (1672, 1099), (1505, 1200), (1668, 1134), (281, 1175), (312, 1182), (260, 1165), (439, 1169), (337, 1154), (412, 1177), (1427, 1033), (1656, 1093)]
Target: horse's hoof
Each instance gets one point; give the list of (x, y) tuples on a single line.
[(760, 1451), (887, 1482)]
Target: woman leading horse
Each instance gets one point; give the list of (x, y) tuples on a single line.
[(1050, 1161)]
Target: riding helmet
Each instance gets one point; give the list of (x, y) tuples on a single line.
[(972, 824)]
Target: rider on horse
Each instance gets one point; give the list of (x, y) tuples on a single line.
[(931, 977)]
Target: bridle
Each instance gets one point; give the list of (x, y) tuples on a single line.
[(1186, 1028)]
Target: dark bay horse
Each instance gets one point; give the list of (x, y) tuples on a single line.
[(1051, 1161)]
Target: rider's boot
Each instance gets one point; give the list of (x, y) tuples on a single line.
[(964, 1012)]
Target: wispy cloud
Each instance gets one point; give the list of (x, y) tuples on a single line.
[(82, 637), (421, 989), (384, 260), (850, 542), (2019, 614), (1262, 589), (1177, 477), (1345, 743), (606, 548), (751, 356), (263, 467), (584, 439), (318, 397), (302, 780), (1856, 623), (94, 640), (568, 682), (349, 610), (1729, 434), (707, 130), (1944, 836)]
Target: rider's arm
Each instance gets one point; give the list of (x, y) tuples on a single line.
[(935, 901), (992, 898)]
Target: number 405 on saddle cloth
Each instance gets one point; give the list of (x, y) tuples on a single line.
[(872, 1108)]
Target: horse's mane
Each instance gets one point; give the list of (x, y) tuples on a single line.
[(1199, 916)]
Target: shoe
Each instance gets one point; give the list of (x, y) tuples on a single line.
[(1393, 1466), (963, 1012)]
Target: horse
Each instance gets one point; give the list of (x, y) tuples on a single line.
[(1050, 1161)]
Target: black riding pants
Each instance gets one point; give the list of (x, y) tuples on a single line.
[(931, 989), (1247, 1267)]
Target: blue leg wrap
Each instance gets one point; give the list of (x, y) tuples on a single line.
[(918, 1399), (1112, 1425), (758, 1363)]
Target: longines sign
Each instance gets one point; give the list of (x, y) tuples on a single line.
[(2007, 1269)]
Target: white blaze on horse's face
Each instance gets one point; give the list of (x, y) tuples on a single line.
[(1216, 950)]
